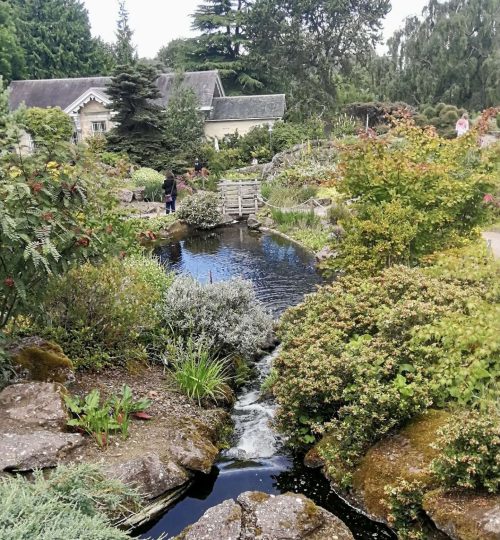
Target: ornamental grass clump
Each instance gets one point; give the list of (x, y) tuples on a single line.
[(469, 447), (199, 373), (201, 210), (227, 315), (150, 179), (73, 502)]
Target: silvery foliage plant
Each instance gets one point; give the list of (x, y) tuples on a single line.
[(225, 313)]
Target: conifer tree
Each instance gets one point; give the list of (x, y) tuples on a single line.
[(12, 63), (124, 49), (222, 42), (140, 121), (56, 39)]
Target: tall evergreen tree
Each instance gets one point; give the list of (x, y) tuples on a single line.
[(56, 38), (12, 64), (125, 51), (140, 121), (223, 43)]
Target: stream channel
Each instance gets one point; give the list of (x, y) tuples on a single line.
[(282, 273)]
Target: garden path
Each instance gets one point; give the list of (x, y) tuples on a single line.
[(493, 237)]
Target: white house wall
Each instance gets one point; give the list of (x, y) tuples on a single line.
[(94, 112), (220, 129)]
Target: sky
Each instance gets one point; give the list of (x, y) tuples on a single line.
[(156, 22)]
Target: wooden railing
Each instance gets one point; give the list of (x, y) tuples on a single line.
[(239, 198)]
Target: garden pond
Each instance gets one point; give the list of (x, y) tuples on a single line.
[(282, 273)]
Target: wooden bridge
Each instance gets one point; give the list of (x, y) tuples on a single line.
[(239, 198)]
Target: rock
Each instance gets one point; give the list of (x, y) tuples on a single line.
[(338, 232), (222, 522), (326, 201), (36, 359), (138, 194), (26, 406), (253, 223), (288, 516), (149, 475), (325, 254), (35, 450), (313, 459), (192, 447), (125, 195), (259, 516), (226, 219), (177, 230), (464, 515), (405, 455)]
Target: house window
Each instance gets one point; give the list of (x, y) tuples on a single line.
[(98, 127)]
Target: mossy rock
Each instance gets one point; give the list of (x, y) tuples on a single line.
[(464, 515), (405, 455), (44, 361)]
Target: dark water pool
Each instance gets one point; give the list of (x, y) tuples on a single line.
[(282, 273)]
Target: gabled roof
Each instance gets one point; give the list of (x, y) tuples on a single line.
[(268, 107), (64, 93), (52, 92), (96, 94), (206, 85)]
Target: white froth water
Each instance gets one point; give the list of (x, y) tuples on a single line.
[(253, 416)]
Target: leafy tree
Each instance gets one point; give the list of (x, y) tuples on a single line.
[(56, 38), (184, 128), (178, 55), (11, 54), (452, 54), (302, 47), (223, 41), (105, 55), (140, 121), (124, 49), (48, 127)]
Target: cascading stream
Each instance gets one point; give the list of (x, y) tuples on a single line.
[(282, 273)]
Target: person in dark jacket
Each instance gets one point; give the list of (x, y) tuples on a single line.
[(170, 187)]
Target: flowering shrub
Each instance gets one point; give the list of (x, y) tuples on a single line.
[(151, 180), (103, 314), (469, 448), (360, 357), (414, 192), (226, 314), (201, 210), (406, 514)]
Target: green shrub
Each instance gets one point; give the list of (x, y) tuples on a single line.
[(338, 212), (344, 125), (226, 314), (469, 447), (406, 516), (351, 364), (105, 314), (286, 196), (429, 112), (48, 127), (152, 181), (73, 502), (412, 198), (201, 210), (199, 373)]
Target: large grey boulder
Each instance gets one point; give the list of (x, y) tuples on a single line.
[(149, 475), (26, 406), (139, 193), (35, 450), (125, 195), (259, 516), (222, 522), (464, 515), (193, 451)]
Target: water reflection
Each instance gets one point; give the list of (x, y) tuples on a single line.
[(280, 271)]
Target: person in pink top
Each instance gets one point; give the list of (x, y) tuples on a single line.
[(462, 126)]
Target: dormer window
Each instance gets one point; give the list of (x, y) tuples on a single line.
[(98, 127)]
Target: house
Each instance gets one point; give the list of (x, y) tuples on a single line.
[(86, 101)]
